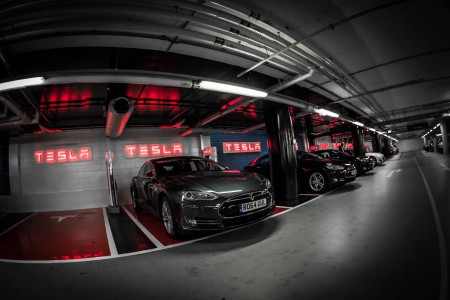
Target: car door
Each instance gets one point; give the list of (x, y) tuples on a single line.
[(150, 185)]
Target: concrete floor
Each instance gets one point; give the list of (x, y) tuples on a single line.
[(379, 237)]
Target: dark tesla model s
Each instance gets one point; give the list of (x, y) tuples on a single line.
[(194, 193), (362, 163), (317, 173)]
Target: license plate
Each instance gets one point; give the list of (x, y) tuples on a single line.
[(249, 206)]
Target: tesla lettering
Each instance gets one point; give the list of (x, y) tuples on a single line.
[(241, 147), (62, 155), (145, 150)]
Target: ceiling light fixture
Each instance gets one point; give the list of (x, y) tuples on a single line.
[(21, 83), (325, 112), (232, 89), (358, 123)]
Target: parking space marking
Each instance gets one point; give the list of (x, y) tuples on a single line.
[(441, 239), (394, 171), (109, 235), (445, 167), (18, 223), (147, 233)]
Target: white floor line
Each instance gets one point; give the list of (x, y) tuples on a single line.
[(445, 167), (147, 233), (111, 243), (17, 224), (442, 250)]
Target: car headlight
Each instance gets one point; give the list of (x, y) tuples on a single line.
[(268, 184), (334, 167), (197, 195)]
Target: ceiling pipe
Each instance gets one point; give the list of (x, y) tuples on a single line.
[(119, 111), (287, 83), (16, 110)]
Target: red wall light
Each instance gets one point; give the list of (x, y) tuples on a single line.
[(144, 150), (241, 147), (62, 155)]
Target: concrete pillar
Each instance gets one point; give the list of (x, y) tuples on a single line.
[(444, 131), (358, 140), (283, 157), (435, 144), (376, 143)]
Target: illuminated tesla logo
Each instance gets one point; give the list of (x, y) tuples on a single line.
[(145, 150), (241, 147), (62, 155)]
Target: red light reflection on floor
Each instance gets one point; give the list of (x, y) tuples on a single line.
[(62, 235)]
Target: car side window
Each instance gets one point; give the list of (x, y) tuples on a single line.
[(149, 170), (263, 160)]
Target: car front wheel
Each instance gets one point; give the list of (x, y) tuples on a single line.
[(136, 206), (373, 160), (168, 218), (317, 182)]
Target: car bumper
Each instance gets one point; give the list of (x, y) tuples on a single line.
[(342, 176), (217, 215)]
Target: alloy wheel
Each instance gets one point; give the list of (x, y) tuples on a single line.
[(316, 182), (166, 214)]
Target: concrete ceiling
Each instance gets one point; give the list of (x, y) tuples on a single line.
[(383, 62)]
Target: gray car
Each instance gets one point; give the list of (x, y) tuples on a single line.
[(194, 193)]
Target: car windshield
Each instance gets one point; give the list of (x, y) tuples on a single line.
[(184, 165)]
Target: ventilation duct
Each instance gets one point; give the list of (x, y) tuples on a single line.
[(119, 111)]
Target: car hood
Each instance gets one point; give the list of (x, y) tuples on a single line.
[(225, 183), (325, 161)]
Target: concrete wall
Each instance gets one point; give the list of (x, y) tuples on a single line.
[(76, 185), (410, 145)]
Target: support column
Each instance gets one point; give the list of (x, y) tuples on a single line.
[(434, 144), (444, 131), (358, 140), (386, 147), (376, 143), (283, 158)]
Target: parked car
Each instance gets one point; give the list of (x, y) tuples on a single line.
[(376, 157), (362, 163), (194, 193), (318, 173)]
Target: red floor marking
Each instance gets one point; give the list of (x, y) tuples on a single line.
[(61, 235), (154, 225), (279, 209)]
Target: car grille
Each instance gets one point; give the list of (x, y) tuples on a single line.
[(230, 208)]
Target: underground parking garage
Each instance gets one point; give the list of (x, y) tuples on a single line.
[(224, 150)]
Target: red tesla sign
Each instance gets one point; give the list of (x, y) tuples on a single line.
[(240, 147), (144, 150), (62, 155)]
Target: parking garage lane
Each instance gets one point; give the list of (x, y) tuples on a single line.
[(374, 238)]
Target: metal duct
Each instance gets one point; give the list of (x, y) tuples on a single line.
[(119, 111)]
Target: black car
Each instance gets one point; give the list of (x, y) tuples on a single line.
[(362, 163), (194, 193), (317, 173)]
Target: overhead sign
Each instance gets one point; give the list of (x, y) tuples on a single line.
[(144, 150), (416, 126), (62, 155), (241, 147)]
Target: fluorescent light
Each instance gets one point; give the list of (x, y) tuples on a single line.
[(358, 123), (371, 129), (15, 84), (233, 89), (379, 132), (439, 134), (389, 131), (325, 112)]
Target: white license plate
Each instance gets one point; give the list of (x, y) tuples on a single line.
[(249, 206), (353, 173)]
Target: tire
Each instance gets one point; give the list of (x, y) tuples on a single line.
[(168, 218), (373, 160), (134, 202), (317, 182)]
